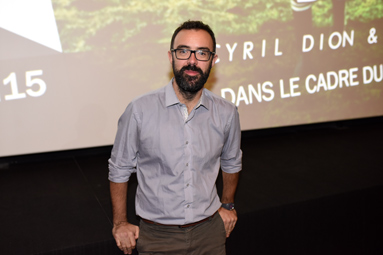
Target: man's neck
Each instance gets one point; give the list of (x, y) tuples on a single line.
[(190, 100)]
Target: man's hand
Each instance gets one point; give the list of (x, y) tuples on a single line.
[(126, 235), (229, 219)]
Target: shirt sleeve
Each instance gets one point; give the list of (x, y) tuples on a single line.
[(123, 160), (231, 156)]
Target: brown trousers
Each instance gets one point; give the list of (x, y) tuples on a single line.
[(206, 238)]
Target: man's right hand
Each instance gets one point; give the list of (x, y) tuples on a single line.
[(126, 235)]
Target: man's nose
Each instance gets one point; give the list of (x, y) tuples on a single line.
[(192, 59)]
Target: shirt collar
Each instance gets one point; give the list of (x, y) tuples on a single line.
[(203, 100), (171, 97)]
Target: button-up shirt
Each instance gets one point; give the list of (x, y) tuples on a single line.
[(177, 157)]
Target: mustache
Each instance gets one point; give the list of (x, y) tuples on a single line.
[(191, 68)]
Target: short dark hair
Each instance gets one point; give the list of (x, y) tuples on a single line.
[(193, 24)]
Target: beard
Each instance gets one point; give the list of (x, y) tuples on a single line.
[(190, 85)]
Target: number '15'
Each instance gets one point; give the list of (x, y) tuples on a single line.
[(30, 80)]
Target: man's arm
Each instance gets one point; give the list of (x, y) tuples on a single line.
[(124, 233), (230, 182)]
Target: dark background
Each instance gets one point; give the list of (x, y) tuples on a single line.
[(311, 189)]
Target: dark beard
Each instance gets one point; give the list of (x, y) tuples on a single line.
[(190, 85)]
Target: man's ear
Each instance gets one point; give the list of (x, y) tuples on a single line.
[(170, 55), (214, 59)]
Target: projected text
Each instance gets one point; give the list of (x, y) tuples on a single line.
[(34, 86)]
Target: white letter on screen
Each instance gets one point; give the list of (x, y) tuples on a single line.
[(321, 42), (231, 50), (277, 52), (241, 96), (294, 86), (335, 46), (347, 38), (310, 77), (247, 47), (257, 94), (269, 91), (378, 79), (263, 48), (281, 85), (353, 76), (371, 75), (343, 77), (311, 41), (331, 86), (321, 82), (223, 92)]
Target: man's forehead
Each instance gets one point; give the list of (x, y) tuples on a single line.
[(197, 38)]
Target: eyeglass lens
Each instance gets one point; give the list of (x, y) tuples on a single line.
[(184, 54)]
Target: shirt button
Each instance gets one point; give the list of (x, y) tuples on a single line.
[(187, 185), (187, 164), (187, 142), (187, 206)]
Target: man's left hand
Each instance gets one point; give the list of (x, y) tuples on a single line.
[(229, 218)]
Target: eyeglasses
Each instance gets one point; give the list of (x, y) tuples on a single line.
[(184, 54)]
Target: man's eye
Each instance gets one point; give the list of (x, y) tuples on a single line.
[(183, 51), (202, 53)]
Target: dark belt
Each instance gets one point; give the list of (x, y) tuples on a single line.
[(180, 226)]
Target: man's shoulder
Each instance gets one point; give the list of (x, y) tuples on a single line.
[(149, 98), (219, 101)]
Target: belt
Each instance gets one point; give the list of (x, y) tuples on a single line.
[(180, 226)]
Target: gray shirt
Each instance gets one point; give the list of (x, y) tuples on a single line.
[(176, 157)]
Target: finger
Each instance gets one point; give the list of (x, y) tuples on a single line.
[(227, 228), (120, 245), (128, 251), (230, 227), (129, 246), (132, 241)]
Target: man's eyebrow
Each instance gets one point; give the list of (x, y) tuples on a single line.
[(204, 48), (188, 47)]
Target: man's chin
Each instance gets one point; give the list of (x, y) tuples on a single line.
[(191, 87)]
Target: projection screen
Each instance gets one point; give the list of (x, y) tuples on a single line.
[(69, 68)]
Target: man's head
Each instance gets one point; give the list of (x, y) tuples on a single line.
[(196, 25), (192, 56)]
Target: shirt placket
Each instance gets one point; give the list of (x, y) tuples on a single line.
[(188, 184)]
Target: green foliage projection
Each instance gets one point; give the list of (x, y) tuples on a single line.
[(134, 35), (115, 21)]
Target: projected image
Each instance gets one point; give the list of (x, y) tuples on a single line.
[(70, 67)]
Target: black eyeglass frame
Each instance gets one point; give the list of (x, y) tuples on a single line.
[(195, 55)]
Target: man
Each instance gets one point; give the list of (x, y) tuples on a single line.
[(176, 139)]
